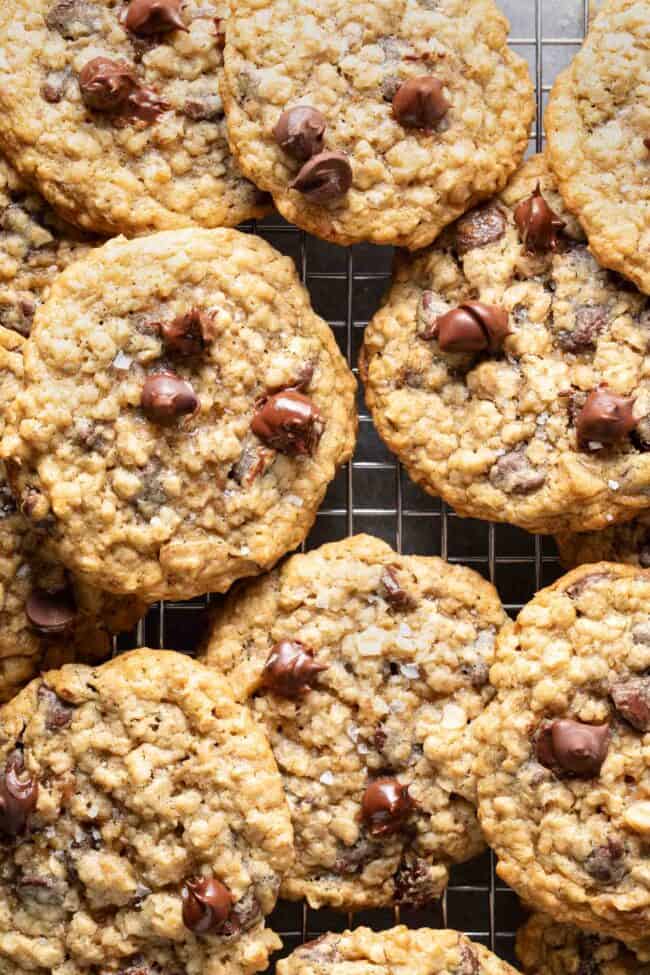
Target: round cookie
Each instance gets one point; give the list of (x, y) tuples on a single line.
[(545, 947), (143, 823), (184, 411), (422, 952), (113, 110), (367, 669), (563, 764), (486, 369), (416, 111), (598, 131), (628, 543), (35, 244)]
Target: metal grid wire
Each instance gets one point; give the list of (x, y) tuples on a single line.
[(374, 495)]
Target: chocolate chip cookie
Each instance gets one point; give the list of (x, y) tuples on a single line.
[(367, 670), (598, 129), (629, 543), (562, 756), (113, 109), (422, 952), (35, 244), (183, 413), (509, 372), (143, 824), (545, 947), (381, 121)]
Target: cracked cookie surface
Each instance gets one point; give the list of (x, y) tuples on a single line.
[(166, 164), (422, 951), (124, 785), (597, 125), (545, 947), (367, 670), (35, 244), (562, 753), (484, 364), (348, 60), (183, 413)]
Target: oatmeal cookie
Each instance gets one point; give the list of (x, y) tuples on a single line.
[(367, 670), (422, 952), (183, 413), (629, 543), (143, 824), (379, 121), (598, 130), (35, 244), (511, 374), (113, 110), (563, 765), (545, 947)]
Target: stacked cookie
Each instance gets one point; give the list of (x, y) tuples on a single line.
[(172, 412)]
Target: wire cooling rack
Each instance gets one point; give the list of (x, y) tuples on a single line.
[(374, 495)]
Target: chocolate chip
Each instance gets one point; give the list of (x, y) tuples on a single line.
[(206, 905), (204, 108), (540, 228), (154, 16), (291, 669), (590, 321), (146, 104), (472, 327), (576, 589), (606, 418), (469, 963), (393, 592), (53, 88), (420, 103), (18, 796), (386, 805), (106, 85), (477, 673), (351, 860), (379, 738), (513, 473), (289, 422), (646, 142), (74, 19), (253, 462), (51, 612), (166, 397), (631, 698), (572, 746), (413, 884), (300, 131), (325, 177), (58, 714), (606, 864), (479, 227), (245, 913), (8, 504), (189, 333)]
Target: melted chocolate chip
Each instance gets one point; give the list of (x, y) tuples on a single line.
[(18, 796), (300, 131), (631, 698), (325, 177), (106, 85), (207, 904), (146, 105), (590, 321), (188, 334), (204, 108), (51, 612), (572, 746), (289, 422), (540, 228), (606, 418), (166, 397), (472, 327), (413, 884), (253, 462), (606, 863), (420, 103), (395, 595), (386, 805), (513, 473), (58, 714), (479, 227), (291, 669), (154, 16)]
